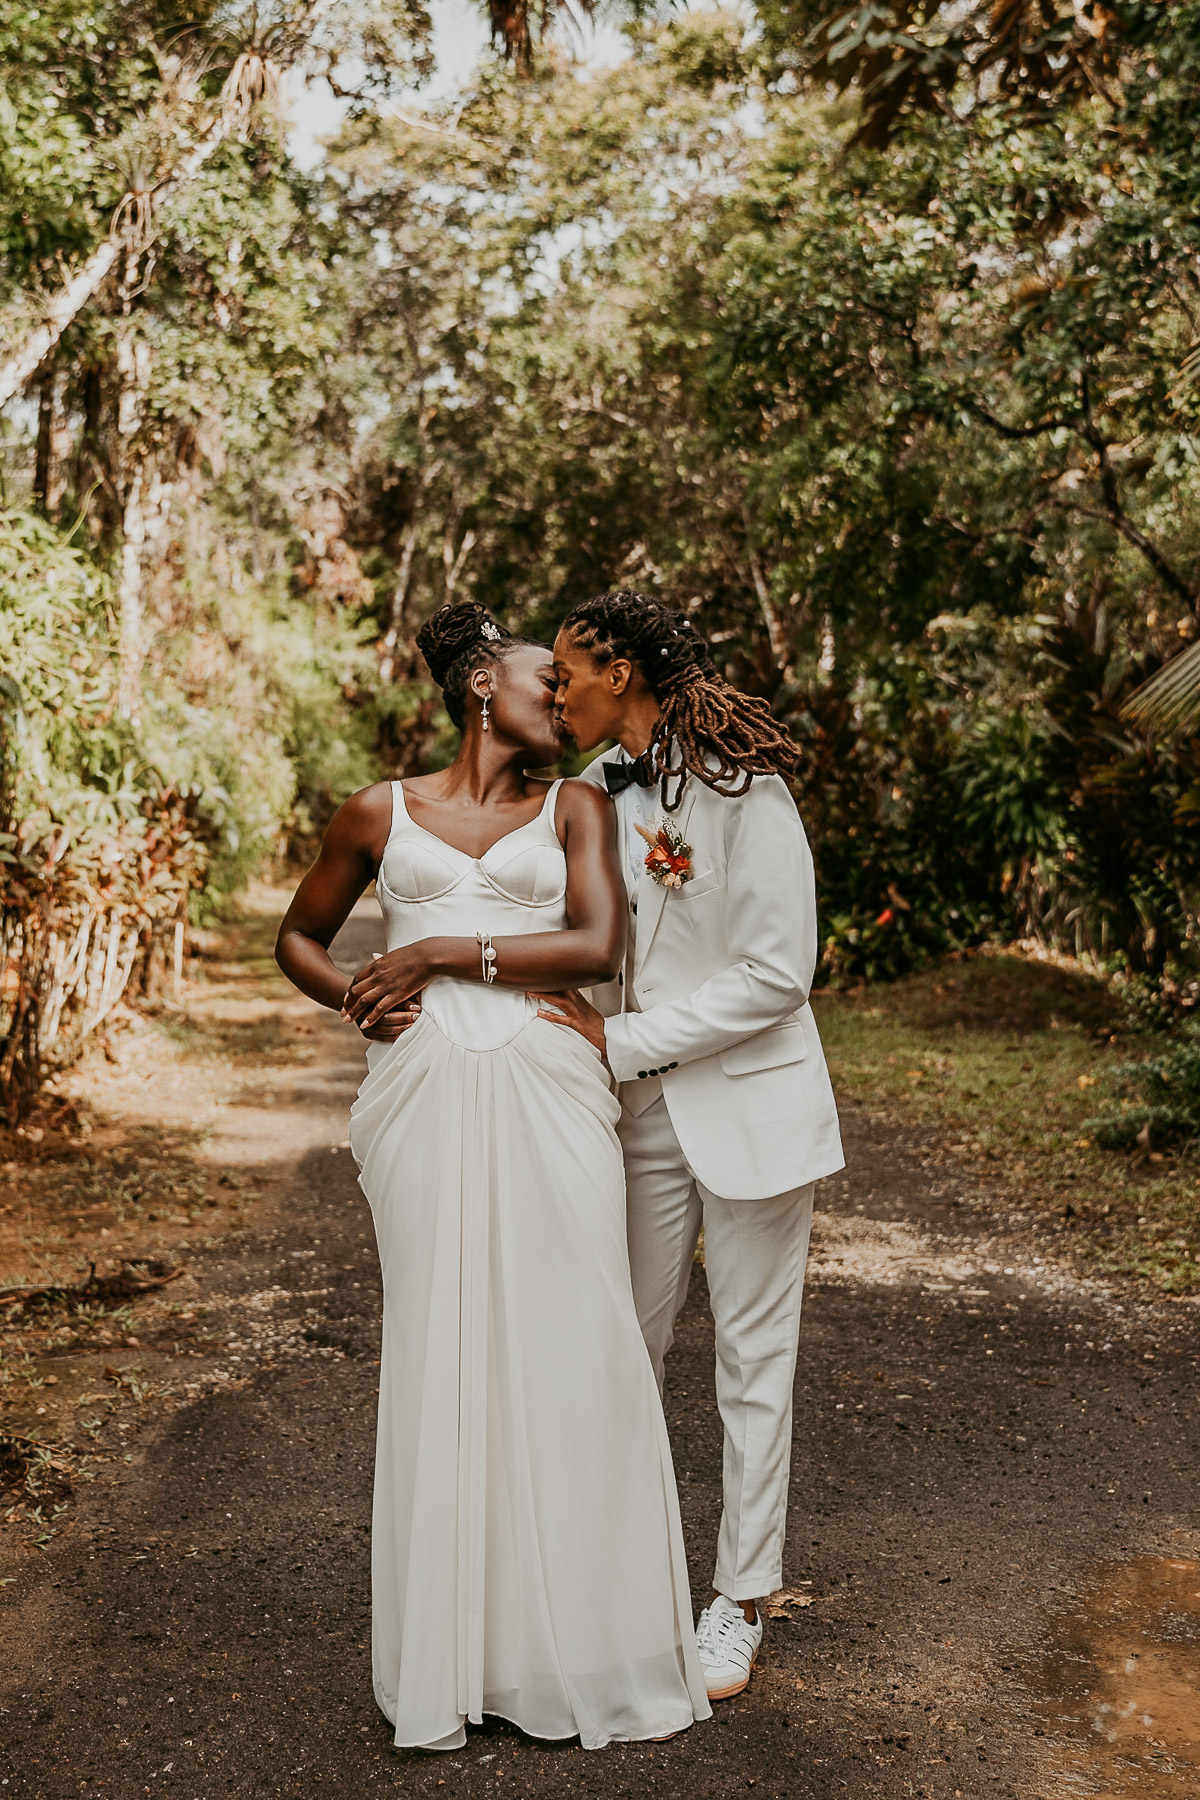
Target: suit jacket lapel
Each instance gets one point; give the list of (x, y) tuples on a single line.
[(652, 895)]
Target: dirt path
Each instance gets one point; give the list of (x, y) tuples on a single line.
[(993, 1517)]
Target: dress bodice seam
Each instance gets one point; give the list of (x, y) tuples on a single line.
[(403, 822), (426, 899)]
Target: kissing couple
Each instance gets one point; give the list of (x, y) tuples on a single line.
[(539, 1166)]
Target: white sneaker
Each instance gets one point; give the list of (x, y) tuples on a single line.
[(728, 1647)]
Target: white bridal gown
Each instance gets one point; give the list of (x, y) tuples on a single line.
[(527, 1556)]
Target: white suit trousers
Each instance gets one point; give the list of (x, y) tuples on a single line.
[(755, 1253)]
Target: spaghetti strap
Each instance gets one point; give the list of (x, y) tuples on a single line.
[(550, 804), (400, 816)]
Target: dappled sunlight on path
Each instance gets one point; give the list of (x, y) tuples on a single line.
[(989, 1554)]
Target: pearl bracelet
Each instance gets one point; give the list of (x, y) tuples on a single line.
[(487, 956)]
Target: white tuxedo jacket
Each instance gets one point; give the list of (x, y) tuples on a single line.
[(722, 972)]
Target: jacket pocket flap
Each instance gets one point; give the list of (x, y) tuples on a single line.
[(699, 884), (769, 1049)]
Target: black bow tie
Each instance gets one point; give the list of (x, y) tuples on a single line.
[(638, 772)]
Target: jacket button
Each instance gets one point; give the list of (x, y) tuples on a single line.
[(673, 1065), (642, 1073), (620, 979)]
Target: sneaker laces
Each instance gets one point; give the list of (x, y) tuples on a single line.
[(713, 1632)]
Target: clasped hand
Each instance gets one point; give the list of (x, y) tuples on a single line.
[(384, 998)]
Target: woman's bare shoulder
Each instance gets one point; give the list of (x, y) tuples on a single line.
[(360, 817), (583, 800)]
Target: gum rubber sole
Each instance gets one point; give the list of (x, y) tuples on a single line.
[(739, 1687)]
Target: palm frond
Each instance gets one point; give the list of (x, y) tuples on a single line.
[(1170, 700)]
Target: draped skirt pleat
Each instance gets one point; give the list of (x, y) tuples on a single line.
[(527, 1556)]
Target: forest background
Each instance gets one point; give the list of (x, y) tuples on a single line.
[(867, 334)]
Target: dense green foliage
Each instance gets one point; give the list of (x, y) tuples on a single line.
[(111, 830), (898, 398), (909, 428), (224, 747)]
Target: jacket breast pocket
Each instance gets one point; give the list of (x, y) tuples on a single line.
[(770, 1049), (700, 884)]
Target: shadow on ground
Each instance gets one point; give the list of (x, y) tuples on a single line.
[(991, 1463)]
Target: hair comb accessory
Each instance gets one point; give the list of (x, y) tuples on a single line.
[(490, 630)]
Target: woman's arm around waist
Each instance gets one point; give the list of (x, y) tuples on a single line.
[(588, 950)]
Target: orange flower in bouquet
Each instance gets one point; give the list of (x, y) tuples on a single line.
[(669, 859)]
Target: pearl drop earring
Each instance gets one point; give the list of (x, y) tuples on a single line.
[(486, 703)]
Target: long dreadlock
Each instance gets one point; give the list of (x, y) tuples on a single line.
[(706, 727)]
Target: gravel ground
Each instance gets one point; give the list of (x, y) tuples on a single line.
[(992, 1532)]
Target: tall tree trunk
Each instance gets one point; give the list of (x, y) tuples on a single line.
[(453, 562), (159, 494), (133, 369), (387, 664), (53, 445), (16, 369), (87, 455), (408, 550), (131, 636), (73, 296), (44, 451), (773, 619), (60, 449), (144, 524), (827, 661)]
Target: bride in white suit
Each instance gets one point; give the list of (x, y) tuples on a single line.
[(727, 1113)]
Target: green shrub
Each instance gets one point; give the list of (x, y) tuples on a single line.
[(111, 833), (1152, 1005), (253, 707), (1155, 1102)]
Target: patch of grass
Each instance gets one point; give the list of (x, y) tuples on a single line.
[(994, 1062), (258, 1040), (78, 1192)]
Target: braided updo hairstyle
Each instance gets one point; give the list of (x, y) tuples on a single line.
[(455, 642), (715, 732)]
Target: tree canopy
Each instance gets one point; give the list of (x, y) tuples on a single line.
[(868, 335)]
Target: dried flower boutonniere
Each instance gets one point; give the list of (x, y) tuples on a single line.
[(669, 859)]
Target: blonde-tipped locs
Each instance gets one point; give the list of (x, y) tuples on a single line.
[(706, 727)]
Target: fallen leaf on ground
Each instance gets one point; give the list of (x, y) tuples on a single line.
[(776, 1606)]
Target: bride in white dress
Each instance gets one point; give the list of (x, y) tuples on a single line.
[(527, 1555)]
